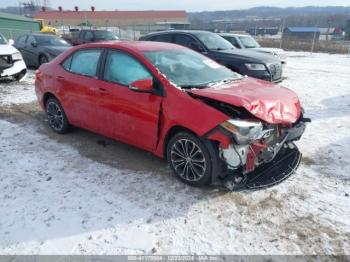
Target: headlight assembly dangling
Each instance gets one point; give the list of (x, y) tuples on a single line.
[(246, 131)]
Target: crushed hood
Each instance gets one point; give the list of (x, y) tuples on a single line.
[(269, 102)]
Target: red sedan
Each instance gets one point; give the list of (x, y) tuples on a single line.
[(212, 125)]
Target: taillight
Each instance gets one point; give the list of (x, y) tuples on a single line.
[(38, 74)]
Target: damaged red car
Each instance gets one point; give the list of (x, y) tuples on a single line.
[(212, 125)]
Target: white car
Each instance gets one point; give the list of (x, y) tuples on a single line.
[(11, 61), (247, 41)]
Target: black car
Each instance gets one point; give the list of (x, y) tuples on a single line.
[(89, 35), (244, 62), (37, 49)]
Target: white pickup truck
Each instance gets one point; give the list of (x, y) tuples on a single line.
[(11, 61)]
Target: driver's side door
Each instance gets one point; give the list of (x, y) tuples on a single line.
[(127, 115)]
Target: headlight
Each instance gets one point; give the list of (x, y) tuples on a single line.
[(17, 56), (245, 131), (256, 67)]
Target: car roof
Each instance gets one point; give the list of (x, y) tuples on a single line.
[(232, 34), (39, 34), (138, 46), (95, 30), (193, 32)]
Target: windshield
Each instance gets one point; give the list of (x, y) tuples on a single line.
[(105, 35), (249, 42), (214, 42), (189, 69), (3, 40), (47, 40)]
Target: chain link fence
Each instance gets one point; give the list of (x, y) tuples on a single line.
[(328, 46), (14, 33)]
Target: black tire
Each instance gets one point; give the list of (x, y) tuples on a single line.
[(43, 59), (195, 175), (56, 116)]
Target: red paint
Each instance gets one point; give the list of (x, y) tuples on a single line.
[(254, 151), (143, 85), (144, 119), (224, 140)]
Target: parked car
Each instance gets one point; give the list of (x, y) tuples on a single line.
[(11, 61), (88, 36), (244, 62), (38, 49), (212, 125), (247, 41)]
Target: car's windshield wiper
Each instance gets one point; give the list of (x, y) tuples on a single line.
[(223, 81), (211, 83)]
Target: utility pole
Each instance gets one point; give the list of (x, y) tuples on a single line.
[(282, 31), (313, 41)]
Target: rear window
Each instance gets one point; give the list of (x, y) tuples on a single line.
[(162, 38), (83, 62)]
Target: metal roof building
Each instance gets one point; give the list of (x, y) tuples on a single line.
[(11, 26), (138, 20), (301, 33)]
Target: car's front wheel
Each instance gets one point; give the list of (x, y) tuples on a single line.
[(55, 115), (191, 159)]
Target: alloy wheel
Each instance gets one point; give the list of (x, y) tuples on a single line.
[(55, 116), (188, 160)]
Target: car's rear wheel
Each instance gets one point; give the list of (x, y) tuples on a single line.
[(191, 158), (55, 115), (43, 59)]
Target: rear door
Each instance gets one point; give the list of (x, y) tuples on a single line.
[(77, 82), (19, 44), (125, 114), (31, 51)]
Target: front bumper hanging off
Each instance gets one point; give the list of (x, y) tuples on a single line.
[(283, 166), (266, 175), (285, 161)]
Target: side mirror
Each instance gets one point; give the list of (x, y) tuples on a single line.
[(11, 42), (33, 44), (142, 86)]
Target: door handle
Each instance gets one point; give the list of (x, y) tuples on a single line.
[(102, 91), (59, 78)]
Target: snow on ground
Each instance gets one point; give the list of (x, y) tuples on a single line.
[(12, 92), (85, 194)]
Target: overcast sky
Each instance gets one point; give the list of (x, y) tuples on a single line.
[(189, 5)]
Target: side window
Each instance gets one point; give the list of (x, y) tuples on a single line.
[(66, 64), (186, 40), (233, 41), (88, 36), (163, 38), (84, 62), (31, 39), (124, 69), (21, 39)]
